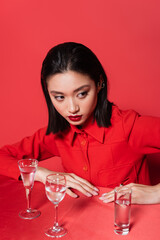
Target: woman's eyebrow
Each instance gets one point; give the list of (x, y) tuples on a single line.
[(56, 92), (80, 88), (76, 90)]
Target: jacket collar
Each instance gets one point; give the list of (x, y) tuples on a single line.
[(91, 128)]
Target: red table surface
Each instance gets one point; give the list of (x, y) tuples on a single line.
[(85, 218)]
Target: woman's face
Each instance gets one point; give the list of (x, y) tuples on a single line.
[(73, 95)]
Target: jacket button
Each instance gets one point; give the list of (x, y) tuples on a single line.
[(83, 142), (85, 168)]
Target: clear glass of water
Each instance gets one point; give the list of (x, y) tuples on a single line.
[(27, 169), (122, 210), (55, 188)]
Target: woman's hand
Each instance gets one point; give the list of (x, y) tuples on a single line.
[(73, 181), (141, 194)]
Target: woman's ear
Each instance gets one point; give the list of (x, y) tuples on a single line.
[(100, 84)]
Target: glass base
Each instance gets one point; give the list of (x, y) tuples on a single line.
[(56, 232), (121, 231), (29, 214)]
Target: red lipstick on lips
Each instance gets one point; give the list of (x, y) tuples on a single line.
[(75, 118)]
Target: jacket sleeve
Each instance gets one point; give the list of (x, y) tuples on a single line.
[(39, 146), (142, 132)]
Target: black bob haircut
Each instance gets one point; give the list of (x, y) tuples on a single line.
[(79, 58)]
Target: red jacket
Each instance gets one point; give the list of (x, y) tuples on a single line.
[(104, 156)]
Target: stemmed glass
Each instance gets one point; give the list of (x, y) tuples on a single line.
[(55, 190), (27, 169)]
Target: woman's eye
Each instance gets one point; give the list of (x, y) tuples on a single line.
[(82, 94), (59, 98)]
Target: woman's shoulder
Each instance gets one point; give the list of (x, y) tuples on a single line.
[(38, 135), (122, 122), (123, 115)]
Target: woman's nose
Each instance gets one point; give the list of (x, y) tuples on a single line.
[(73, 106)]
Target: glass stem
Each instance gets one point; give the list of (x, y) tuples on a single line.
[(56, 216), (28, 197)]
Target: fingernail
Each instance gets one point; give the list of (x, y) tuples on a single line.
[(88, 195), (75, 196), (95, 193), (96, 189), (104, 194), (101, 198), (106, 201)]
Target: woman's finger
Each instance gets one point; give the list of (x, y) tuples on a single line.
[(82, 180), (71, 194), (84, 187), (81, 187), (107, 197)]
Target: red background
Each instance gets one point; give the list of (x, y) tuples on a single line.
[(125, 35)]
